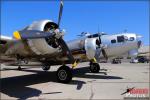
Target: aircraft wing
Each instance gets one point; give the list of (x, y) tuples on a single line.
[(5, 42), (4, 45), (8, 43)]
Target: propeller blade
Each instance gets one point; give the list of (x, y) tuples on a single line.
[(66, 50), (61, 42), (97, 54), (104, 54), (60, 12), (139, 43), (31, 34)]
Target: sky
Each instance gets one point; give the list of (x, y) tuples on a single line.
[(111, 17)]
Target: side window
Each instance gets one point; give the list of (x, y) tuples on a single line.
[(120, 38), (113, 41), (131, 39)]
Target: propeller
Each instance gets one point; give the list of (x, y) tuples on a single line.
[(56, 35), (61, 42), (101, 49), (104, 54), (66, 50), (31, 34), (60, 12)]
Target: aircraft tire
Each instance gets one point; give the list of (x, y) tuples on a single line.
[(64, 74), (94, 67)]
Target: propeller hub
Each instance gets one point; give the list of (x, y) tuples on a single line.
[(58, 34)]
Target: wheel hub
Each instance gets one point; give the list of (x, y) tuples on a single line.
[(62, 75), (93, 67)]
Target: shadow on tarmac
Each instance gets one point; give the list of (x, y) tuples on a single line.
[(17, 86)]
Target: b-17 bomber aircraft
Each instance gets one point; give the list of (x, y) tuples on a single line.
[(42, 41), (106, 46)]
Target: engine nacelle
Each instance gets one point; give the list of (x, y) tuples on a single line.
[(41, 46), (88, 44), (90, 47)]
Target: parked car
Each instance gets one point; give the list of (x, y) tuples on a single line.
[(143, 60), (134, 60), (116, 61)]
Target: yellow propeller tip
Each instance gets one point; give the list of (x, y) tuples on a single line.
[(16, 35)]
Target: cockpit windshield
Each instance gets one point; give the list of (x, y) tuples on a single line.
[(93, 35)]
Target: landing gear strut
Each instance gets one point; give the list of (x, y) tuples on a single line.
[(64, 74), (19, 67), (94, 67), (20, 60)]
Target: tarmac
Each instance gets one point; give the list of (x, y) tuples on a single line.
[(112, 80)]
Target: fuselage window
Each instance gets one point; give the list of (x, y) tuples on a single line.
[(131, 39), (120, 38), (113, 41)]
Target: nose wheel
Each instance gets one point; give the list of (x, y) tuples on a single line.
[(64, 74), (94, 67)]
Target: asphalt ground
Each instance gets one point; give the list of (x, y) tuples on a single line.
[(110, 83)]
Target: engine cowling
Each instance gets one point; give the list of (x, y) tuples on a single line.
[(42, 46), (90, 47)]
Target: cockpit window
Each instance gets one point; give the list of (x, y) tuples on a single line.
[(120, 38), (95, 35), (113, 41), (131, 39), (92, 36)]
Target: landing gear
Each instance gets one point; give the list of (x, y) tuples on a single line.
[(64, 74), (94, 67), (20, 60), (46, 67)]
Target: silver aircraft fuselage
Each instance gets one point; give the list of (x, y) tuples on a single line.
[(114, 47)]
